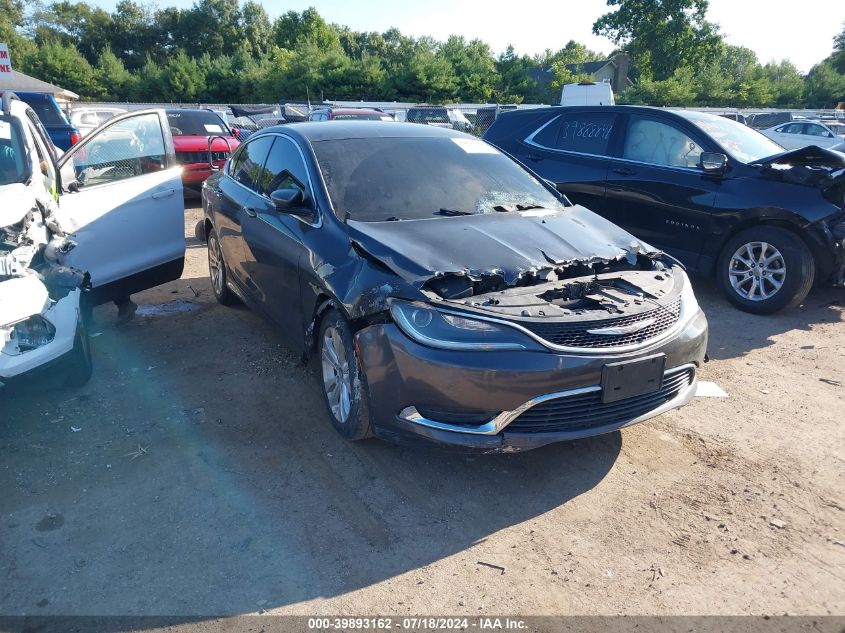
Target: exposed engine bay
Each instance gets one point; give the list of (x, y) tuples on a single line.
[(36, 246)]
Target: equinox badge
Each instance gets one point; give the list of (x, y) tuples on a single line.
[(621, 330)]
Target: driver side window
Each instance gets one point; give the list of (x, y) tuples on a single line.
[(659, 143), (131, 147)]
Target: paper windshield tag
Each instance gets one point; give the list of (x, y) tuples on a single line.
[(214, 129), (474, 146)]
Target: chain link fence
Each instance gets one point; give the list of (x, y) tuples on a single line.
[(471, 118)]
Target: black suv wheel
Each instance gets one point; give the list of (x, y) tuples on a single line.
[(764, 269)]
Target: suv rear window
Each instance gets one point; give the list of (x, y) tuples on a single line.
[(47, 111), (428, 115), (196, 123)]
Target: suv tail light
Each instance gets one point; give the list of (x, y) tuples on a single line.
[(75, 137)]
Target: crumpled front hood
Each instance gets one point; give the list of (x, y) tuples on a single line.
[(20, 298), (200, 143), (812, 155), (16, 200), (507, 244)]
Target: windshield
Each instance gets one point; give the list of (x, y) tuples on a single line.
[(836, 128), (11, 153), (378, 179), (740, 141), (196, 123)]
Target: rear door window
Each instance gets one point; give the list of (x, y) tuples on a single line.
[(660, 143), (582, 132)]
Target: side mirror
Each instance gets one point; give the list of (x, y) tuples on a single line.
[(236, 132), (713, 163), (290, 201)]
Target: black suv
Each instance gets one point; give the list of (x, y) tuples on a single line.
[(719, 196)]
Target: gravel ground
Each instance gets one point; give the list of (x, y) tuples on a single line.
[(197, 474)]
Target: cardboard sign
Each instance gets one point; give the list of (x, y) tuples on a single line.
[(5, 62)]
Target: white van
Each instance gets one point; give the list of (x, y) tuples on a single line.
[(587, 93)]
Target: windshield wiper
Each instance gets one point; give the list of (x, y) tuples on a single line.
[(453, 212), (508, 208)]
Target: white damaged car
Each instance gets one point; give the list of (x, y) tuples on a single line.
[(101, 222)]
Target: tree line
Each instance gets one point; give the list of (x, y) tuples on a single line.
[(229, 51)]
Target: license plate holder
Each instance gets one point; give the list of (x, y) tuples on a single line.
[(629, 378)]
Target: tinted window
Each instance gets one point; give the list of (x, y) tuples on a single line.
[(12, 168), (284, 168), (195, 123), (47, 111), (660, 143), (131, 147), (585, 132), (815, 130), (247, 167), (376, 179), (428, 115), (547, 134), (792, 128)]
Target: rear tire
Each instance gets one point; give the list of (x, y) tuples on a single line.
[(218, 273), (765, 269), (344, 387)]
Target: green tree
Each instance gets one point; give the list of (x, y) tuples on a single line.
[(660, 35), (514, 82), (78, 23), (135, 34), (474, 67), (182, 79), (63, 65), (20, 47), (256, 29), (113, 80), (293, 29), (825, 86)]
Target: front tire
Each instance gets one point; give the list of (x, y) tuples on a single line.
[(765, 269), (80, 366), (218, 274), (344, 388)]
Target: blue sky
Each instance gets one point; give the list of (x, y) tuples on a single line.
[(774, 30)]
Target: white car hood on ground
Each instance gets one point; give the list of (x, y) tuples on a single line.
[(16, 200), (20, 298)]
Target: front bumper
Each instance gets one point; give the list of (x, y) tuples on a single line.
[(195, 174), (64, 315), (404, 377)]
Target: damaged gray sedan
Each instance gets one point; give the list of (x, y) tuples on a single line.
[(449, 295)]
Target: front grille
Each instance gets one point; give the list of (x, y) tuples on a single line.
[(586, 411), (574, 334), (186, 158)]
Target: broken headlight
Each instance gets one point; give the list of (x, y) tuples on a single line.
[(434, 328), (33, 333)]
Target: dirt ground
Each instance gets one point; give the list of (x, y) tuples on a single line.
[(197, 474)]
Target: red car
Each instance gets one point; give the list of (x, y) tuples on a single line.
[(192, 130)]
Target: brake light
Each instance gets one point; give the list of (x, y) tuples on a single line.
[(75, 137)]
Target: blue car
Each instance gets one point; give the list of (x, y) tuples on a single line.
[(61, 132)]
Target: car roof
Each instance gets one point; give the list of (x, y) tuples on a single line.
[(314, 131)]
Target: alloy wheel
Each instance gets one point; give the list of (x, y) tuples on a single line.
[(215, 264), (337, 379), (757, 271)]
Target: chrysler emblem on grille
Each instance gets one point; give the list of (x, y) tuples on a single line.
[(621, 330)]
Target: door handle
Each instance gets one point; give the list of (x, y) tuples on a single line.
[(251, 212), (164, 193), (624, 171)]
